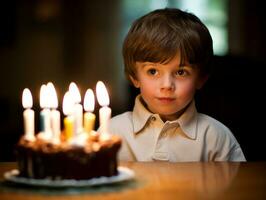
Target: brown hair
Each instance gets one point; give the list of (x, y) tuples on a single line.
[(159, 35)]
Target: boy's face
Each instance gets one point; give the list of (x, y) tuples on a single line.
[(167, 88)]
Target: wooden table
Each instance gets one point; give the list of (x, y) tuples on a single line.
[(160, 180)]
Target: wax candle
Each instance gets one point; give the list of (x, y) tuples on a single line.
[(28, 115), (45, 114), (105, 111), (78, 109), (89, 117), (69, 119), (55, 114)]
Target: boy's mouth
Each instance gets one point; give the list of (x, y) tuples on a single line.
[(166, 99)]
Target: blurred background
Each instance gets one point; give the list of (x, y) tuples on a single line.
[(81, 41)]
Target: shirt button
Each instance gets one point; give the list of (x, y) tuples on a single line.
[(159, 145), (153, 118)]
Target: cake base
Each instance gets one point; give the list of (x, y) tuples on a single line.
[(43, 160)]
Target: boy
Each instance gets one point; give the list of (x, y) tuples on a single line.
[(167, 56)]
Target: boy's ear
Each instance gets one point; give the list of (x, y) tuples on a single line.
[(201, 81), (134, 81)]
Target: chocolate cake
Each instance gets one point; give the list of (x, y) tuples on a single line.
[(40, 159)]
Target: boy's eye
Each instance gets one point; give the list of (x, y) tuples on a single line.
[(181, 72), (152, 71)]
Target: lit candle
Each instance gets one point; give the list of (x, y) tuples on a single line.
[(69, 119), (105, 111), (78, 109), (55, 114), (28, 115), (89, 117), (45, 114)]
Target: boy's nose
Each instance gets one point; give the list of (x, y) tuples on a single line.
[(167, 83)]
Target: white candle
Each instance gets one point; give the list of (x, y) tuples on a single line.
[(45, 114), (28, 115), (55, 114), (78, 109), (89, 117), (105, 111)]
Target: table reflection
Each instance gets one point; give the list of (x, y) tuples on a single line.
[(213, 178), (188, 179)]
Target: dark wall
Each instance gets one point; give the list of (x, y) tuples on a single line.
[(243, 76), (235, 95)]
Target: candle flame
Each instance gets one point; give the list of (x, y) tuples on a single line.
[(27, 98), (102, 94), (43, 102), (74, 91), (53, 100), (89, 101), (68, 104)]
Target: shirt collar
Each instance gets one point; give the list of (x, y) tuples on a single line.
[(187, 121), (141, 115)]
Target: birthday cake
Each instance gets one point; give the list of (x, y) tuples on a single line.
[(78, 152), (40, 159)]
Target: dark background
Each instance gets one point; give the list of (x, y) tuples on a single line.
[(64, 41)]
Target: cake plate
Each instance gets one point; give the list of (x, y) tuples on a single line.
[(124, 174)]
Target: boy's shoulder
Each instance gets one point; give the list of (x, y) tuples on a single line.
[(211, 122), (121, 121), (123, 116), (213, 127)]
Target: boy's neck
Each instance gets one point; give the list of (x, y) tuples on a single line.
[(172, 117)]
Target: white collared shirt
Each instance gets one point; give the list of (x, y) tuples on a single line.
[(192, 137)]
